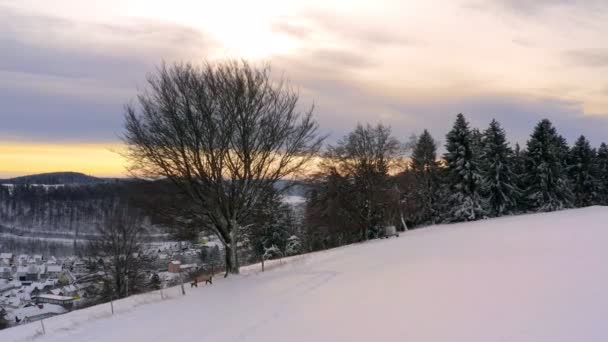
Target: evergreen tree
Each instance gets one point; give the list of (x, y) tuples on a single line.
[(546, 178), (518, 164), (155, 282), (582, 172), (463, 174), (271, 228), (294, 246), (476, 142), (425, 168), (499, 181), (602, 173)]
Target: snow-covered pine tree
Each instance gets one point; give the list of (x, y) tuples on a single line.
[(602, 173), (294, 246), (546, 178), (583, 174), (499, 182), (518, 166), (271, 228), (425, 168), (463, 174), (476, 142)]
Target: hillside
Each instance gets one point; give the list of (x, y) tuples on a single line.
[(536, 278), (54, 178)]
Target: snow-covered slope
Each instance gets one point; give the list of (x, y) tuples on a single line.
[(536, 278)]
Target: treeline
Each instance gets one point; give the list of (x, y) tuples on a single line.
[(68, 211), (46, 247), (365, 183)]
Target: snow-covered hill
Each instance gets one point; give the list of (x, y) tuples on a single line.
[(535, 278)]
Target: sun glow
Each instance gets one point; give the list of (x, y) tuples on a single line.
[(240, 28), (17, 159)]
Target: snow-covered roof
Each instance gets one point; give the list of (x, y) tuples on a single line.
[(53, 268), (6, 255), (176, 262), (54, 297), (186, 266), (69, 288)]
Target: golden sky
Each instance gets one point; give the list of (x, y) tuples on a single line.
[(67, 67), (18, 158)]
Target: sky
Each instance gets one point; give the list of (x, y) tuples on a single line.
[(68, 67)]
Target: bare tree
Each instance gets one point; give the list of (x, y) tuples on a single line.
[(224, 134), (365, 157), (117, 252)]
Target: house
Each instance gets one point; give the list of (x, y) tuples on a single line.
[(174, 266), (80, 267), (21, 273), (38, 259), (5, 272), (6, 258), (64, 301), (22, 259), (30, 273), (53, 271)]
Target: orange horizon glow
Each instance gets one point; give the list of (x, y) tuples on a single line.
[(95, 159)]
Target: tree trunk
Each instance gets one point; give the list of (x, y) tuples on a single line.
[(232, 262), (234, 250), (228, 258)]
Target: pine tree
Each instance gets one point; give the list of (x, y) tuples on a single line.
[(294, 246), (582, 172), (499, 181), (270, 231), (155, 283), (476, 142), (463, 174), (425, 168), (602, 173), (546, 178), (518, 164)]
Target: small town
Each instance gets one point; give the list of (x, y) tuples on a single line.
[(36, 287)]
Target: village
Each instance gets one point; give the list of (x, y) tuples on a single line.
[(35, 287)]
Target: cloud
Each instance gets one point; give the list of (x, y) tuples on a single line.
[(341, 102), (63, 79), (534, 6), (593, 57), (348, 30)]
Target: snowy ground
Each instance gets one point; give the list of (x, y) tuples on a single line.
[(528, 278)]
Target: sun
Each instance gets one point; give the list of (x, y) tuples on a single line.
[(240, 28)]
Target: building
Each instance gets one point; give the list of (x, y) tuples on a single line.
[(80, 267), (64, 301), (53, 271), (174, 266), (6, 258), (5, 272)]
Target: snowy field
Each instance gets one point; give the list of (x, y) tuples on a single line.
[(536, 278)]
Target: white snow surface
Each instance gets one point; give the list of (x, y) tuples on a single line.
[(540, 277)]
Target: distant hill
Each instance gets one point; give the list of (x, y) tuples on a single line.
[(54, 178)]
